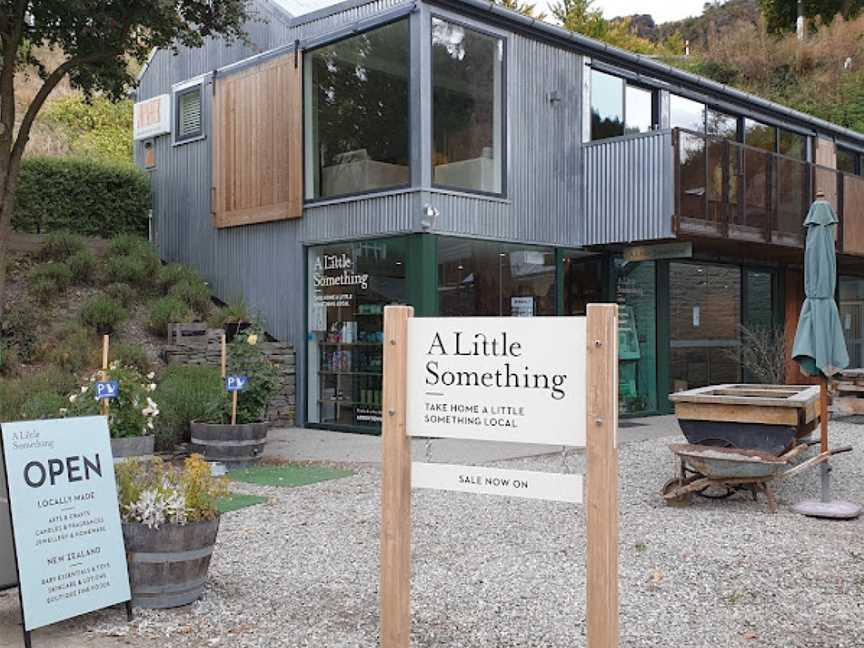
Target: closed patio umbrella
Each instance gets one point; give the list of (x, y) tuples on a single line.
[(820, 348)]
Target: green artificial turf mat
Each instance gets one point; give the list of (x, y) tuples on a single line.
[(236, 501), (289, 475)]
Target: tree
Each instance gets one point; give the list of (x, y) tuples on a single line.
[(580, 16), (781, 15), (526, 8), (98, 39)]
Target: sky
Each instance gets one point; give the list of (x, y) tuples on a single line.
[(662, 10)]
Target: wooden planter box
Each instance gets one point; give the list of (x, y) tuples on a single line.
[(139, 446), (168, 566), (231, 444)]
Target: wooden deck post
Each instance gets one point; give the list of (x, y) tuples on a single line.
[(395, 586), (601, 494)]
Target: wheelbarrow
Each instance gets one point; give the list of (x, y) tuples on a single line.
[(720, 472)]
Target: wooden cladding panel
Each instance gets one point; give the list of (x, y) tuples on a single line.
[(258, 140), (853, 215), (794, 291)]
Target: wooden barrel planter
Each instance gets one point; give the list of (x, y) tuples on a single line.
[(230, 444), (139, 446), (168, 566)]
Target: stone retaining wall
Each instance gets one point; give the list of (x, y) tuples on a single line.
[(204, 349)]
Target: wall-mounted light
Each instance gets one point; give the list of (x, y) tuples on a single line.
[(553, 97), (430, 215)]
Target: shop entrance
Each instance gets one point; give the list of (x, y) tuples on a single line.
[(852, 318)]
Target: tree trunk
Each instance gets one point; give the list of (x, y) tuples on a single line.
[(7, 201)]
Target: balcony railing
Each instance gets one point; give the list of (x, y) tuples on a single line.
[(727, 189)]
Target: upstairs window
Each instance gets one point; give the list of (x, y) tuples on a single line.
[(619, 108), (188, 115), (792, 144), (467, 108), (686, 113), (759, 135), (357, 113), (848, 161)]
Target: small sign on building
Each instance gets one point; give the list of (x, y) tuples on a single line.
[(151, 117)]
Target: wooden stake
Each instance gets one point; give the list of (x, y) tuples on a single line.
[(395, 586), (103, 403), (234, 408), (601, 482), (224, 357)]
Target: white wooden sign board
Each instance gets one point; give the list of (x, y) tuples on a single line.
[(8, 575), (496, 481), (518, 380), (151, 117)]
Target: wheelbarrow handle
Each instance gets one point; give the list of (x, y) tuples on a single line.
[(840, 450)]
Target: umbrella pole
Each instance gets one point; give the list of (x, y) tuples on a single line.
[(824, 468)]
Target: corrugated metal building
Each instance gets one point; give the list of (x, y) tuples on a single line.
[(471, 161)]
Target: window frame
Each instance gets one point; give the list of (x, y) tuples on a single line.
[(625, 83), (309, 140), (177, 91), (505, 139)]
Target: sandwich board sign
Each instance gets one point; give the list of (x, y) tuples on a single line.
[(66, 532), (8, 576), (543, 380)]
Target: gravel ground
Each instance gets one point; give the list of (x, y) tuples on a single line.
[(302, 570)]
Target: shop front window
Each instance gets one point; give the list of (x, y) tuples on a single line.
[(485, 278), (852, 318), (637, 336), (467, 108), (582, 280), (356, 111), (705, 314), (349, 286)]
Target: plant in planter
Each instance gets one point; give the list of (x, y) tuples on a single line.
[(172, 512), (242, 442), (131, 416), (233, 317)]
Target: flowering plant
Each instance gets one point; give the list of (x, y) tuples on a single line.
[(132, 413), (156, 493)]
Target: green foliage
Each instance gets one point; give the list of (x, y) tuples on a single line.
[(525, 8), (14, 393), (128, 355), (59, 246), (9, 360), (132, 259), (99, 129), (75, 349), (148, 490), (82, 265), (43, 405), (18, 329), (189, 393), (122, 293), (194, 294), (782, 15), (245, 358), (49, 280), (231, 313), (132, 413), (173, 273), (102, 314), (165, 311), (85, 196), (582, 17)]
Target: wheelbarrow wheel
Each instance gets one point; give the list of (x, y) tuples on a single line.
[(672, 484), (716, 492)]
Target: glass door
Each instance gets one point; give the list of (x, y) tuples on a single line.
[(852, 318)]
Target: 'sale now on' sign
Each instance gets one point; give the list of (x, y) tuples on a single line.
[(540, 380)]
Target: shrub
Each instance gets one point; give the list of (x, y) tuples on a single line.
[(133, 412), (18, 329), (82, 266), (127, 355), (129, 245), (137, 268), (165, 311), (102, 314), (88, 197), (58, 274), (8, 359), (195, 295), (98, 128), (14, 393), (75, 349), (122, 293), (43, 405), (188, 393), (155, 493), (59, 246), (245, 358), (231, 313), (174, 273)]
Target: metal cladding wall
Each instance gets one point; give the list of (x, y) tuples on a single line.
[(628, 188), (542, 202)]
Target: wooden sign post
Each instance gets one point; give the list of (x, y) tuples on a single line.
[(447, 377), (104, 402)]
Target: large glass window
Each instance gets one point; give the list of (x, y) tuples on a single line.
[(759, 135), (852, 318), (792, 144), (467, 112), (477, 278), (686, 113), (582, 282), (847, 161), (705, 313), (636, 295), (357, 125), (349, 286), (619, 108)]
